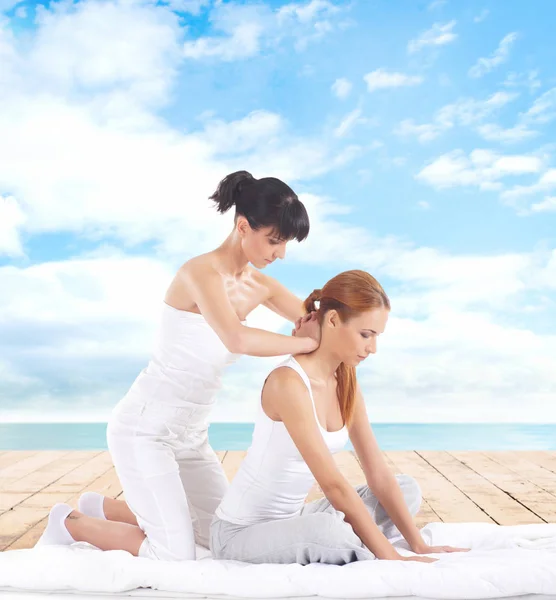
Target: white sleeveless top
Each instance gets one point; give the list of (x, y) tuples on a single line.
[(273, 480), (186, 364)]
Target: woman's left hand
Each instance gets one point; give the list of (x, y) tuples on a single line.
[(299, 322), (426, 549)]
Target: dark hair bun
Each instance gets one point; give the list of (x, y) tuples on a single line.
[(229, 189)]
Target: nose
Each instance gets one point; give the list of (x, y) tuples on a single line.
[(371, 346), (280, 252)]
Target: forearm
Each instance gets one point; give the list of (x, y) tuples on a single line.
[(260, 342), (348, 501), (390, 496)]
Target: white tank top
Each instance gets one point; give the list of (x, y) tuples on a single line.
[(186, 364), (273, 480)]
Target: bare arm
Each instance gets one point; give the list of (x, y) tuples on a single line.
[(282, 301), (209, 294), (380, 478), (286, 395)]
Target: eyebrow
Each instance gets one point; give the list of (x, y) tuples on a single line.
[(371, 330)]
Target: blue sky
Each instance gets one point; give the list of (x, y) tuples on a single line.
[(420, 135)]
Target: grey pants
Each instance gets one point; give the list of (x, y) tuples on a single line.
[(318, 534)]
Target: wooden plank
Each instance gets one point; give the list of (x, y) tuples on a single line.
[(16, 491), (21, 468), (231, 462), (426, 513), (501, 507), (532, 504), (526, 469), (446, 500), (76, 480), (12, 457), (26, 515), (545, 459)]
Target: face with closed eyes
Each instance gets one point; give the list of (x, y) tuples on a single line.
[(352, 341), (262, 246)]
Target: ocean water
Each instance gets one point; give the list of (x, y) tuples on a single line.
[(237, 436)]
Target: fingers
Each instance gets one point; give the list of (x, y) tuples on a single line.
[(451, 549)]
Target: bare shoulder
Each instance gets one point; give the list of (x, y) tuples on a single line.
[(285, 375), (178, 294), (283, 382), (203, 264), (285, 397), (258, 276)]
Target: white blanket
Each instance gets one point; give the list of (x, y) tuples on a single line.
[(504, 562)]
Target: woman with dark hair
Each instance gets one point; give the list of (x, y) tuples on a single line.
[(157, 434), (310, 406)]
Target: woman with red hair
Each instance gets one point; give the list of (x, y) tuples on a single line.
[(310, 405)]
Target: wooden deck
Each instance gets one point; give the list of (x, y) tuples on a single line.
[(507, 488)]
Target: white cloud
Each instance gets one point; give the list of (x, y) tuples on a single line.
[(307, 12), (463, 112), (6, 5), (470, 368), (436, 4), (546, 183), (482, 168), (530, 80), (438, 35), (349, 122), (92, 322), (495, 133), (93, 157), (424, 132), (543, 109), (468, 111), (188, 6), (12, 219), (383, 79), (342, 88), (132, 47), (482, 15), (242, 30), (247, 29), (500, 55), (547, 205)]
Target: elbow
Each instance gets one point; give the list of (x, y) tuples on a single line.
[(334, 489), (235, 343)]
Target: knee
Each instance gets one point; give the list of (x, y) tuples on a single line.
[(330, 528), (160, 552), (411, 491)]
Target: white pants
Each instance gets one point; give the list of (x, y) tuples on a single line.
[(171, 478)]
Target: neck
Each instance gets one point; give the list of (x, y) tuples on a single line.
[(231, 255), (322, 363)]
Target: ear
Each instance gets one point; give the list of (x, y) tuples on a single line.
[(332, 318), (242, 225)]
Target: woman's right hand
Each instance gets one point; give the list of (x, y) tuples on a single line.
[(425, 559)]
